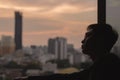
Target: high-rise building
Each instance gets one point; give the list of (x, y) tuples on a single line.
[(58, 47), (51, 46), (7, 45), (18, 30)]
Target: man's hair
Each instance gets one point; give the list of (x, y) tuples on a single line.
[(106, 33)]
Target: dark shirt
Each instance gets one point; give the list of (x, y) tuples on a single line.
[(107, 68)]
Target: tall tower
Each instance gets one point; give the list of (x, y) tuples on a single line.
[(18, 30)]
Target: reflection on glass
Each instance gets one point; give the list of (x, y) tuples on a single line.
[(113, 18)]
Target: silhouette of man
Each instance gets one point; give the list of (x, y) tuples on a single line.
[(99, 40)]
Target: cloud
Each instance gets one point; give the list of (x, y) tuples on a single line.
[(66, 8), (43, 19), (49, 6), (46, 2), (21, 8)]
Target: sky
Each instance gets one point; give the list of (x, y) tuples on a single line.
[(44, 19)]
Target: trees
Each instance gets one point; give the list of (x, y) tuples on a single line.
[(12, 64)]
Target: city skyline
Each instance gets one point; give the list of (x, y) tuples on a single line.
[(44, 19)]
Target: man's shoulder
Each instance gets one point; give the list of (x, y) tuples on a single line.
[(112, 59), (108, 67), (110, 62)]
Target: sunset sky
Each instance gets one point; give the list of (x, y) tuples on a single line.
[(44, 19)]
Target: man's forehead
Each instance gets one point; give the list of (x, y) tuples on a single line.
[(89, 31)]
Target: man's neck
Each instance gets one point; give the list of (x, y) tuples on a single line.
[(98, 57)]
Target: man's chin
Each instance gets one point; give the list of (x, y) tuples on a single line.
[(86, 52)]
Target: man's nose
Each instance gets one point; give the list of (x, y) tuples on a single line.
[(82, 41)]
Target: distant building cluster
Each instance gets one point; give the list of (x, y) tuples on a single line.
[(36, 57), (57, 49), (7, 45)]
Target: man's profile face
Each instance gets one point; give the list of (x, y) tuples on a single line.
[(88, 42)]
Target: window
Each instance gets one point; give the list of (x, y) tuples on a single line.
[(52, 31), (113, 18)]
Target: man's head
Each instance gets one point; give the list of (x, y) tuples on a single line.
[(99, 39)]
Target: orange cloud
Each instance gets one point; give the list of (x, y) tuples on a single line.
[(66, 8), (50, 14), (21, 8), (47, 11)]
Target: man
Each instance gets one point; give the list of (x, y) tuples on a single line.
[(99, 40)]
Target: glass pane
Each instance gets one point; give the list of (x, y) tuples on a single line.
[(113, 18), (48, 25)]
